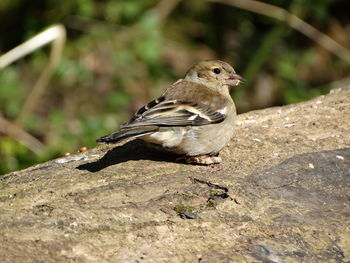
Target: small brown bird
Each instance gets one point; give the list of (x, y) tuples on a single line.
[(194, 117)]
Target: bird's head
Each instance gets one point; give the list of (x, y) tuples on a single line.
[(214, 74)]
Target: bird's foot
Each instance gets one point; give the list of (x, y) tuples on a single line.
[(202, 159)]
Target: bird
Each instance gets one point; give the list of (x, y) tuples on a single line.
[(194, 118)]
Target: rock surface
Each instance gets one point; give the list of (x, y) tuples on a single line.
[(282, 194)]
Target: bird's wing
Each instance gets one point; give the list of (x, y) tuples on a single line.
[(162, 112)]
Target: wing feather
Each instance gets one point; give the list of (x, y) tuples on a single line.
[(161, 112)]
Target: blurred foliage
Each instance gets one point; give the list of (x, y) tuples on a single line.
[(119, 54)]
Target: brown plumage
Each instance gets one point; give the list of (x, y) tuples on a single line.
[(194, 117)]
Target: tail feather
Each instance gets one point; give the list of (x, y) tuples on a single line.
[(125, 134)]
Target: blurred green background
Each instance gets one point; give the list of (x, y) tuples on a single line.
[(120, 54)]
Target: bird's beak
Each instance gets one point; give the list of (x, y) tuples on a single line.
[(234, 80)]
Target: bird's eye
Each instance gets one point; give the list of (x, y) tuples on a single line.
[(216, 70)]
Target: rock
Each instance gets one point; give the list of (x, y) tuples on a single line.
[(282, 194)]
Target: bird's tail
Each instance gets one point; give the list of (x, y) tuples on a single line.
[(125, 134)]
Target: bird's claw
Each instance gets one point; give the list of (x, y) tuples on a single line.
[(201, 160)]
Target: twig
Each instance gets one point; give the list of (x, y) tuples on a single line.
[(293, 21), (55, 34), (15, 132)]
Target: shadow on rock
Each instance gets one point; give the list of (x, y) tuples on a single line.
[(133, 150)]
